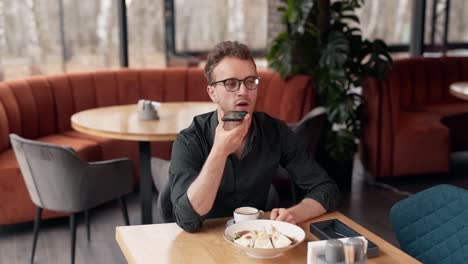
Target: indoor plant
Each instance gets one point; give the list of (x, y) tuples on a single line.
[(323, 39)]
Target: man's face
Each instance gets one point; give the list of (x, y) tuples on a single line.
[(240, 100)]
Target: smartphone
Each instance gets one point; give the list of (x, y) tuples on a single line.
[(234, 116)]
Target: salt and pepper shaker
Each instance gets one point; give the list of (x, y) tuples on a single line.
[(147, 106), (354, 251), (334, 253)]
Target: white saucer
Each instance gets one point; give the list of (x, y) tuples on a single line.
[(230, 222)]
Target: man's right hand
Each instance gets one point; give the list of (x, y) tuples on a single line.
[(229, 139)]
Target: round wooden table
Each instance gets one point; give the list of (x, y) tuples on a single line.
[(121, 122), (460, 90)]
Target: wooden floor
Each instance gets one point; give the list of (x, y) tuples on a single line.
[(53, 245), (367, 204)]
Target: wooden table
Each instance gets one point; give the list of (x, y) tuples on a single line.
[(460, 90), (168, 243), (121, 122)]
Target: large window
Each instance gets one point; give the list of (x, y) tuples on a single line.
[(391, 21), (34, 41), (200, 24), (457, 37), (54, 36)]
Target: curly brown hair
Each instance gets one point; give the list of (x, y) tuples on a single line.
[(222, 50)]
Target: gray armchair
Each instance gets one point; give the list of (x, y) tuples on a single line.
[(309, 128), (58, 180), (160, 173)]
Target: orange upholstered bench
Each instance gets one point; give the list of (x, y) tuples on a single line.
[(414, 121), (40, 108)]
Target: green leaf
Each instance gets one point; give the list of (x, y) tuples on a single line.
[(304, 8), (335, 53), (279, 55), (379, 61), (341, 145), (350, 17), (312, 30), (353, 31)]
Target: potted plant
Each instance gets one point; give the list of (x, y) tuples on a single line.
[(323, 40)]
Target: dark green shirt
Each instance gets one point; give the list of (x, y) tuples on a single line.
[(246, 181)]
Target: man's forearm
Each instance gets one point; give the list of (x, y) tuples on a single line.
[(202, 192), (306, 209)]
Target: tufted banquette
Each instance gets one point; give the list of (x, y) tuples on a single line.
[(414, 121)]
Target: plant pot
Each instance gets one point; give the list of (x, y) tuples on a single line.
[(340, 171)]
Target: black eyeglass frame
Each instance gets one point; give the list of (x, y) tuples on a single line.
[(257, 79)]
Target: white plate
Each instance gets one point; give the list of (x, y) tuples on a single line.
[(287, 229)]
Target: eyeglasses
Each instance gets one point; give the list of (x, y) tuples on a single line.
[(233, 84)]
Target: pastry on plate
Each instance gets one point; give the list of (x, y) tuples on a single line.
[(262, 240), (247, 239), (278, 239)]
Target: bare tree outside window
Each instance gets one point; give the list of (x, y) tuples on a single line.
[(33, 49), (458, 22), (2, 40), (391, 21), (387, 20), (200, 24), (91, 34), (104, 32), (20, 44), (146, 33), (236, 20)]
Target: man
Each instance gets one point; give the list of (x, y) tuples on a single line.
[(218, 166)]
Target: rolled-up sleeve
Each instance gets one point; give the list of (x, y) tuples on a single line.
[(185, 167), (306, 173)]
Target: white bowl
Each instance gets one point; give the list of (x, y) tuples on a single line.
[(290, 230)]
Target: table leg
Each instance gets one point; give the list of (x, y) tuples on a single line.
[(146, 188)]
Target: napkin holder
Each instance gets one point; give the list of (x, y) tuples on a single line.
[(148, 110)]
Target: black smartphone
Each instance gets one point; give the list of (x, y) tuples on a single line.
[(234, 116)]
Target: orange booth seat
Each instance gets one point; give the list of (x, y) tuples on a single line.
[(40, 108), (414, 121)]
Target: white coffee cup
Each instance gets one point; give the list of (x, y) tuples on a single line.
[(246, 213)]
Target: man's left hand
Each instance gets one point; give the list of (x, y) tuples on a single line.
[(282, 214)]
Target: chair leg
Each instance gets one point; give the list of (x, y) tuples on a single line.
[(88, 232), (123, 204), (37, 223), (73, 236)]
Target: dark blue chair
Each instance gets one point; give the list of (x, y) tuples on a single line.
[(432, 225)]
